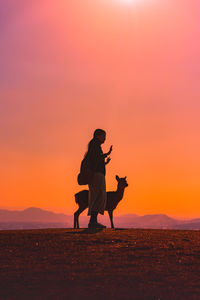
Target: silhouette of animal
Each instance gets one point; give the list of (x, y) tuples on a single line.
[(113, 198)]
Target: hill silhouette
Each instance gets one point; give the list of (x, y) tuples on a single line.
[(39, 218), (31, 214)]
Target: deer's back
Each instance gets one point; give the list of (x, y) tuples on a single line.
[(111, 203), (82, 197)]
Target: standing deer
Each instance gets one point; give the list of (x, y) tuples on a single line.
[(113, 198)]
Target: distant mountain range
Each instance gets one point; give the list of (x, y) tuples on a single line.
[(32, 214), (33, 217)]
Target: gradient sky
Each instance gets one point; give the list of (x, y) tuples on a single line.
[(68, 67)]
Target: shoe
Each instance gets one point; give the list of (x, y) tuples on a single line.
[(99, 225), (93, 225)]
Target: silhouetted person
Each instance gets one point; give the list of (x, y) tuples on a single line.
[(97, 186)]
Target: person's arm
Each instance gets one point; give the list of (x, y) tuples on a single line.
[(108, 153), (104, 155), (108, 160)]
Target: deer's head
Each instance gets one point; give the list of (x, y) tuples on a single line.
[(122, 183)]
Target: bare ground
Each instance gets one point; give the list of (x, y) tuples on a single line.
[(116, 264)]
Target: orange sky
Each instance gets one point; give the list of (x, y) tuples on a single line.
[(69, 67)]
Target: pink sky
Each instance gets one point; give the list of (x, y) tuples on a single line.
[(69, 67)]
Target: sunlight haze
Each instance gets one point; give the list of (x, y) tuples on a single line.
[(69, 67)]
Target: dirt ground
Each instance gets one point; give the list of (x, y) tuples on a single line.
[(109, 264)]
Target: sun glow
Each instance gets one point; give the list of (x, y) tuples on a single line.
[(130, 1)]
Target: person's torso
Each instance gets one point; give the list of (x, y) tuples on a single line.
[(95, 157)]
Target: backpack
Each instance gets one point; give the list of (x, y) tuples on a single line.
[(86, 174)]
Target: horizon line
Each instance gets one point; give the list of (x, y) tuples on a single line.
[(18, 208)]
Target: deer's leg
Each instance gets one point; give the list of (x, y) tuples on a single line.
[(110, 212), (76, 216)]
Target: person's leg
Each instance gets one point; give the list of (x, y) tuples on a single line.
[(102, 197), (93, 217), (93, 221), (96, 199)]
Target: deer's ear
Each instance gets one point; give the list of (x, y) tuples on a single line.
[(117, 177), (125, 177)]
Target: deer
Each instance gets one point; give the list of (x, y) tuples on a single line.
[(113, 198)]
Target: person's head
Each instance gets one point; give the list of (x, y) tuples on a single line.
[(100, 134)]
